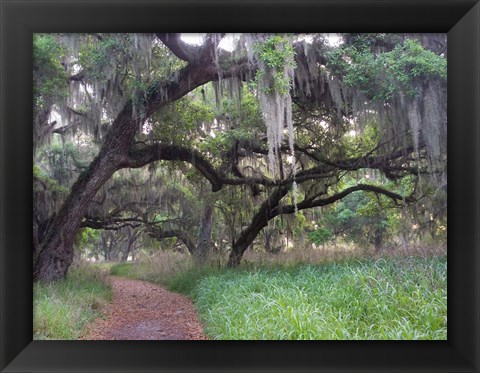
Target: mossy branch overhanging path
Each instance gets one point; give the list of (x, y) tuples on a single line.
[(144, 311)]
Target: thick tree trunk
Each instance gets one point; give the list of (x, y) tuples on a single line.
[(129, 243), (259, 221), (245, 239), (56, 252), (104, 247), (126, 252), (202, 251), (108, 243)]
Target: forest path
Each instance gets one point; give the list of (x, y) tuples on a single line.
[(144, 311)]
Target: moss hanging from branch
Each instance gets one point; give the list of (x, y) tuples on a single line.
[(274, 77)]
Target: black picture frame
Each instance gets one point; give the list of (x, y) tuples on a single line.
[(20, 19)]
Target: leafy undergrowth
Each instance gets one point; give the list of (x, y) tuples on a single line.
[(384, 299), (61, 309)]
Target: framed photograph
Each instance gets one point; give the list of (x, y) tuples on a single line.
[(20, 20)]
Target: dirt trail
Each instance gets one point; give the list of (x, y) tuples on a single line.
[(144, 311)]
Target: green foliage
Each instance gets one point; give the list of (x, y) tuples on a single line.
[(58, 190), (245, 124), (277, 54), (62, 309), (383, 299), (179, 122), (122, 270), (224, 141), (361, 143), (87, 237), (412, 60), (194, 114), (361, 216), (49, 76), (38, 173), (274, 52), (186, 281), (63, 161), (98, 57), (381, 75), (321, 235), (245, 114), (323, 132)]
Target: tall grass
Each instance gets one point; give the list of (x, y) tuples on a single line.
[(377, 299), (158, 268), (310, 295), (338, 252), (61, 309)]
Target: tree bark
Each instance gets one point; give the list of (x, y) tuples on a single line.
[(181, 235), (129, 243), (378, 240), (259, 221), (202, 251), (272, 208), (56, 252)]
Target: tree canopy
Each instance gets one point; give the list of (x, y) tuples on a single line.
[(214, 141)]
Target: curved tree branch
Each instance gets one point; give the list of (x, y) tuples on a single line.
[(314, 202), (107, 226), (179, 48), (271, 208), (160, 234), (145, 155)]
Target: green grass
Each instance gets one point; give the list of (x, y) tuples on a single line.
[(124, 270), (159, 268), (377, 299), (62, 309), (387, 298)]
